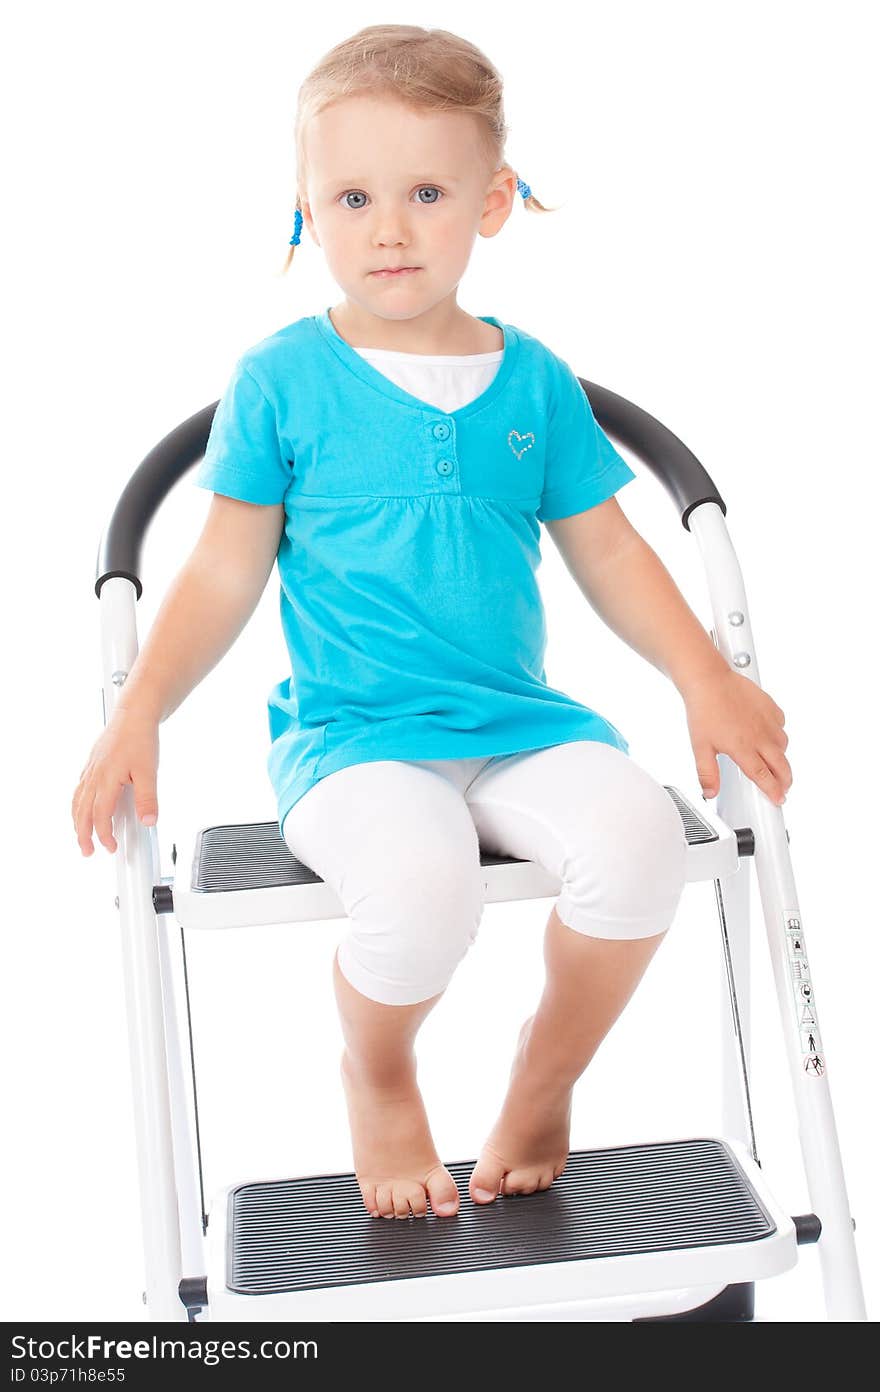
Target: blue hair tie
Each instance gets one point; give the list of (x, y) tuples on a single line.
[(297, 228), (523, 188)]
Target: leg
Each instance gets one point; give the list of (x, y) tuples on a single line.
[(614, 837), (395, 1157), (588, 983), (396, 842)]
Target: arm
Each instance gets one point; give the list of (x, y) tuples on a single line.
[(207, 605), (633, 593)]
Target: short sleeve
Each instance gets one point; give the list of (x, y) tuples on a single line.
[(582, 467), (243, 456)]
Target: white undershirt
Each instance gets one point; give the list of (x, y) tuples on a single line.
[(445, 382)]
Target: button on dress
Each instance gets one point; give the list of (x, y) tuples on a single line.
[(408, 562)]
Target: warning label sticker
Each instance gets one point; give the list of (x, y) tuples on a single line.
[(802, 988)]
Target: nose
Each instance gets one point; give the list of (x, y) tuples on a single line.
[(390, 238), (390, 228)]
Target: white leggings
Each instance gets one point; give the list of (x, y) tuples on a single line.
[(400, 840)]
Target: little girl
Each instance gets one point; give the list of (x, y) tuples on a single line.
[(399, 454)]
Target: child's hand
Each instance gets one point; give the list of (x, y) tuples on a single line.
[(127, 752), (729, 714)]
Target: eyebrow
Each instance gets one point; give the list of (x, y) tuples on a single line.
[(424, 178)]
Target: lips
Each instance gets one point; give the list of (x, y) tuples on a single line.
[(402, 270)]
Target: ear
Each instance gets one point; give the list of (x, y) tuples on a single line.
[(499, 202)]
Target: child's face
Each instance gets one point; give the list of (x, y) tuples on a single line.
[(389, 186)]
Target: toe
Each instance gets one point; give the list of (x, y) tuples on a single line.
[(368, 1194), (485, 1181), (442, 1192), (520, 1182), (400, 1200), (418, 1201), (383, 1201)]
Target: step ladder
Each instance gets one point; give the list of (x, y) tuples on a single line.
[(680, 1228)]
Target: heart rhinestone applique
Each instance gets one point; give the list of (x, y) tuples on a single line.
[(515, 435)]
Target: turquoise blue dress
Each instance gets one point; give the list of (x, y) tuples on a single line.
[(408, 562)]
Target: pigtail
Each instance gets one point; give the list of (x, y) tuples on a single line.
[(530, 201), (296, 238)]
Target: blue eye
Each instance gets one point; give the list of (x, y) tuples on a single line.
[(356, 193)]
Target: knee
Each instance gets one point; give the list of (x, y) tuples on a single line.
[(626, 878), (408, 935)]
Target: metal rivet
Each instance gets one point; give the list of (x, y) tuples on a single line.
[(118, 678), (735, 618), (741, 659), (116, 901)]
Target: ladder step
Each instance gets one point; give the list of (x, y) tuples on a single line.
[(314, 1233), (244, 874)]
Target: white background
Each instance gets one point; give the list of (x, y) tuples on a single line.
[(714, 261)]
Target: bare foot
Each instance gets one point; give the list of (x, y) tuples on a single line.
[(395, 1159), (528, 1146)]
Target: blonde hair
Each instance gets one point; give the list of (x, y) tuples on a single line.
[(428, 69)]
